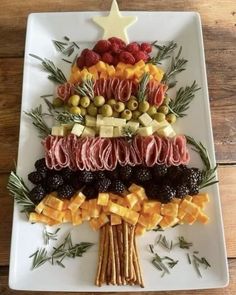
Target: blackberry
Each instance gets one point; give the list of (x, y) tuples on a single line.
[(35, 177), (102, 185), (117, 186), (54, 181), (90, 192), (181, 191), (66, 173), (152, 191), (114, 174), (75, 182), (174, 174), (159, 170), (142, 174), (189, 177), (85, 176), (125, 172), (194, 190), (198, 174), (65, 191), (166, 193), (37, 193), (100, 175)]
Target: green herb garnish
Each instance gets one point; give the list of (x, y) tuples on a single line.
[(20, 192), (56, 75), (184, 97), (86, 88), (39, 258), (47, 236), (142, 87), (163, 53), (66, 48), (183, 244)]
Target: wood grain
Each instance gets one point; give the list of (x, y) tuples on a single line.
[(229, 290)]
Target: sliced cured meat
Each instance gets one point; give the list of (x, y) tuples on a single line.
[(150, 151), (122, 152)]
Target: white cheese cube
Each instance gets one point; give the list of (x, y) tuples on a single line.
[(68, 126), (90, 121), (106, 131), (77, 129), (88, 132), (145, 131), (118, 131), (166, 131), (133, 125), (99, 121), (111, 121), (155, 126), (145, 119), (58, 131)]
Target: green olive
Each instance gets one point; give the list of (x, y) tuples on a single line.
[(132, 104), (152, 111), (171, 118), (99, 101), (159, 117), (107, 110), (143, 106), (136, 114), (166, 100), (83, 111), (92, 110), (119, 107), (75, 110), (116, 114), (57, 102), (163, 109), (126, 114), (74, 100), (111, 102), (85, 101)]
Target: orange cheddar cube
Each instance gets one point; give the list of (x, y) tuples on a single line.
[(170, 209), (137, 207), (85, 215), (67, 216), (143, 220), (202, 217), (122, 201), (138, 190), (176, 201), (94, 209), (85, 205), (76, 217), (54, 202), (97, 223), (131, 217), (101, 66), (189, 219), (53, 213), (131, 199), (76, 201), (140, 230), (153, 221), (39, 208), (150, 207), (117, 209), (65, 204), (188, 198), (35, 217), (103, 199), (115, 219), (168, 221)]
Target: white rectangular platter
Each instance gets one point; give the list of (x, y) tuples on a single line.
[(79, 274)]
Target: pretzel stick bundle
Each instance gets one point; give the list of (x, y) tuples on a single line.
[(118, 262)]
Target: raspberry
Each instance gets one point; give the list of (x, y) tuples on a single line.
[(107, 58), (126, 57), (140, 55), (115, 60), (118, 41), (102, 46), (91, 58), (84, 52), (80, 62), (133, 47), (115, 48), (146, 47)]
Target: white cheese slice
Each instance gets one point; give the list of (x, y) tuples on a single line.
[(133, 125), (166, 131), (111, 121), (145, 131), (155, 126), (145, 119), (90, 121), (77, 129), (58, 131), (106, 131), (99, 121), (88, 131), (118, 131)]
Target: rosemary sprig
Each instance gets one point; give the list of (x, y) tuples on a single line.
[(183, 244), (165, 243), (20, 192), (128, 132), (163, 53), (47, 236), (177, 66), (208, 173), (86, 88), (39, 258), (36, 116), (142, 87), (66, 48), (184, 97), (56, 75)]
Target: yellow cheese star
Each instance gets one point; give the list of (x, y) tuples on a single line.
[(115, 25)]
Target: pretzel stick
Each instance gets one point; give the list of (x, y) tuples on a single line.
[(138, 271), (117, 255), (121, 251), (105, 256), (126, 250), (108, 271), (131, 238), (101, 251), (113, 262)]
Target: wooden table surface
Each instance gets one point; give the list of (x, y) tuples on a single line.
[(219, 31)]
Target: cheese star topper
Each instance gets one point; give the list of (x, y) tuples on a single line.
[(115, 25)]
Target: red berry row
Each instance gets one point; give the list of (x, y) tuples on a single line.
[(113, 51)]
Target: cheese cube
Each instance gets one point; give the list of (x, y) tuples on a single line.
[(115, 219), (145, 119), (65, 204), (170, 209), (167, 131), (35, 217), (140, 230), (137, 207), (99, 120), (150, 207), (67, 216), (155, 126), (76, 217), (39, 208), (85, 215), (54, 202), (132, 199), (153, 221), (111, 121), (145, 131), (77, 129), (138, 190), (133, 125), (88, 131), (97, 223), (106, 131), (77, 201), (131, 217), (202, 217), (90, 121), (85, 205), (58, 131), (94, 209), (117, 209), (103, 199), (118, 131), (168, 221), (189, 219), (53, 213)]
